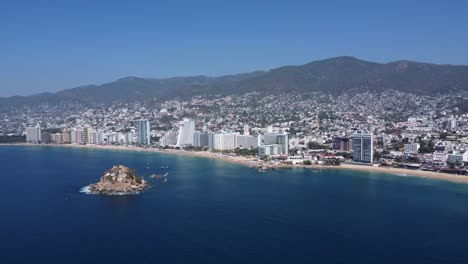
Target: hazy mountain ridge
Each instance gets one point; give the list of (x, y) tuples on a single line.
[(334, 76)]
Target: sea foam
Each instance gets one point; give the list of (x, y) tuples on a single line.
[(85, 190)]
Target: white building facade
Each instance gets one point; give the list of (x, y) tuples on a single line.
[(186, 132)]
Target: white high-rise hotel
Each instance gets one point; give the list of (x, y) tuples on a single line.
[(33, 134), (186, 131), (225, 141)]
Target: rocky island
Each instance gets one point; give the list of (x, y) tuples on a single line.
[(119, 180)]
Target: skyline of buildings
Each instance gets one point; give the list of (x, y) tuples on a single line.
[(142, 126), (268, 142)]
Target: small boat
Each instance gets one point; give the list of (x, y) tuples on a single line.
[(157, 176)]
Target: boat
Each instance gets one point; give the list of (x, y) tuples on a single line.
[(157, 176)]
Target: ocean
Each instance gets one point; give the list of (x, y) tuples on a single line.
[(211, 211)]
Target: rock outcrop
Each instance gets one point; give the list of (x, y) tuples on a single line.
[(119, 180)]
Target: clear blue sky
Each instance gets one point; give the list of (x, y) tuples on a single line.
[(53, 45)]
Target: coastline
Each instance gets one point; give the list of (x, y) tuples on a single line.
[(252, 162), (234, 159)]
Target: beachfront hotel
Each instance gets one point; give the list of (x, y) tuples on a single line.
[(33, 134), (186, 132), (363, 147), (143, 127)]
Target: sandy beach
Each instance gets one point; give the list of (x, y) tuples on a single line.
[(205, 154), (250, 161)]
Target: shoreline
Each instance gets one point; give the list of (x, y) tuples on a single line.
[(252, 162), (233, 159)]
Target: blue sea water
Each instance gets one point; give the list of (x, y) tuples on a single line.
[(210, 211)]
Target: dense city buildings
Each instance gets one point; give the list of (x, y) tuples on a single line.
[(402, 129)]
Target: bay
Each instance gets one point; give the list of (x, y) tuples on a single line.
[(210, 211)]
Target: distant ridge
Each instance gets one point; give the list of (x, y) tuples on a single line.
[(333, 76)]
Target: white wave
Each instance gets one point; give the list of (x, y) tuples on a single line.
[(85, 190), (122, 193)]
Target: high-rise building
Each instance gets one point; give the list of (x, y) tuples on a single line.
[(129, 138), (211, 140), (66, 136), (230, 141), (341, 144), (111, 138), (452, 124), (45, 137), (79, 136), (73, 136), (246, 141), (186, 131), (95, 137), (170, 139), (102, 138), (225, 141), (268, 150), (218, 141), (57, 138), (121, 139), (363, 147), (281, 139), (143, 127), (33, 134), (200, 139), (87, 135)]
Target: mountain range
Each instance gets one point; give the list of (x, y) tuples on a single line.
[(334, 76)]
